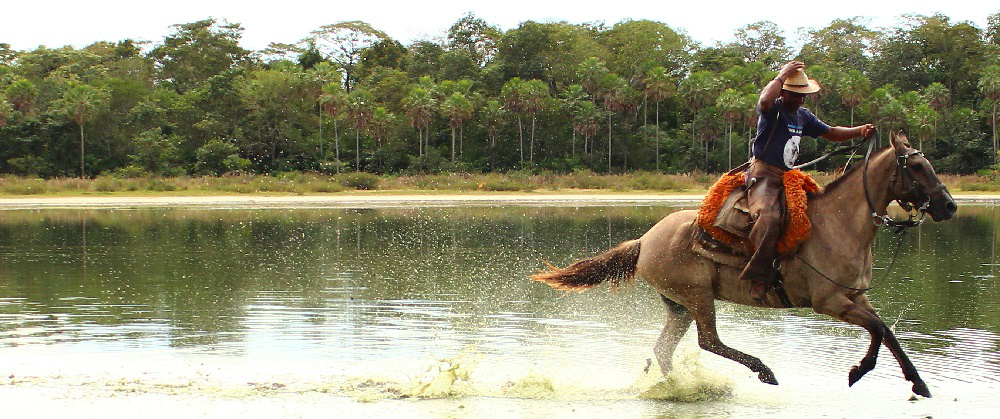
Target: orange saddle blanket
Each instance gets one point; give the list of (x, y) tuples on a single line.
[(797, 185)]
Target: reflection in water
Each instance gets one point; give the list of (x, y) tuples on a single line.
[(376, 303)]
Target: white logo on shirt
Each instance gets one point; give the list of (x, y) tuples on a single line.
[(792, 150)]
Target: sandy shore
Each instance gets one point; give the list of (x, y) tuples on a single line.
[(341, 201), (374, 200)]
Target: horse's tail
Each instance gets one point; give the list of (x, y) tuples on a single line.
[(616, 265)]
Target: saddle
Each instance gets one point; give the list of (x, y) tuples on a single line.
[(724, 219)]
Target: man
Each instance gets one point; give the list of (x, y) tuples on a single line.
[(782, 123)]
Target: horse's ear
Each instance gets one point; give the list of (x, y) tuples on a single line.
[(899, 142), (901, 137)]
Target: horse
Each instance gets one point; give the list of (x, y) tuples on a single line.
[(830, 272)]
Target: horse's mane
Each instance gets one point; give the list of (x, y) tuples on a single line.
[(842, 179)]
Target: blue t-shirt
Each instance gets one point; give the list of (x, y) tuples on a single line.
[(783, 148)]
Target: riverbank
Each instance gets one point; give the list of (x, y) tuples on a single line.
[(351, 184), (382, 199)]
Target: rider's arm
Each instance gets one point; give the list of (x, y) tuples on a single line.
[(841, 134), (772, 91)]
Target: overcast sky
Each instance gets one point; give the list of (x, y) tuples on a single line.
[(54, 23)]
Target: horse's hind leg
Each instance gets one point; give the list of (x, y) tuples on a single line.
[(703, 310), (909, 371), (678, 321)]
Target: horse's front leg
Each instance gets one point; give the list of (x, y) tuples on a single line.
[(909, 371), (852, 312)]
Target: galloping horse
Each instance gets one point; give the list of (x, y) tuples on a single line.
[(829, 273)]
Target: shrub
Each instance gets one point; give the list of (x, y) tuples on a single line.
[(652, 181), (358, 180), (217, 157), (22, 186), (105, 184), (130, 172)]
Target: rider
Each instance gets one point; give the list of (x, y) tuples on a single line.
[(782, 123)]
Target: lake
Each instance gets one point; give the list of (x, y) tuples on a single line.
[(428, 312)]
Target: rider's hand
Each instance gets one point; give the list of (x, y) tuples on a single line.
[(867, 130), (790, 68)]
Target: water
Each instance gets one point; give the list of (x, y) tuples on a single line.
[(427, 312)]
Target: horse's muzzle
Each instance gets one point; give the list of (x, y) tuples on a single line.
[(942, 206)]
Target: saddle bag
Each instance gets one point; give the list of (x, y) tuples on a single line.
[(734, 217)]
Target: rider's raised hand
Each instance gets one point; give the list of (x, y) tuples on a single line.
[(867, 130)]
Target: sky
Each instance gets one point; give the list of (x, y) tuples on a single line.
[(26, 25)]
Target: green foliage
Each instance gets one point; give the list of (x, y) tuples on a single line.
[(196, 51), (22, 94), (637, 95), (29, 166), (218, 157), (156, 153), (359, 180)]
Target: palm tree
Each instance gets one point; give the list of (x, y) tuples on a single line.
[(571, 98), (419, 105), (618, 97), (457, 108), (22, 94), (513, 97), (82, 103), (359, 111), (332, 102), (923, 119), (892, 115), (381, 121), (658, 87), (938, 97), (698, 91), (493, 116), (535, 93), (321, 74), (853, 88), (830, 78), (592, 71), (586, 121), (730, 104), (989, 85)]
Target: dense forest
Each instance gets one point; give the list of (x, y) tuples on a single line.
[(544, 96)]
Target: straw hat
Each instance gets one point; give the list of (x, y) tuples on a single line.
[(799, 83)]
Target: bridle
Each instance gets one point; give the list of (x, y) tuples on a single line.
[(901, 173)]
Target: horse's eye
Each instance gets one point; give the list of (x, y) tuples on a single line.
[(918, 167)]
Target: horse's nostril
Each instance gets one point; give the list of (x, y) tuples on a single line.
[(951, 207)]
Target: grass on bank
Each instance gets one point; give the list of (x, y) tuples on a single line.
[(309, 183)]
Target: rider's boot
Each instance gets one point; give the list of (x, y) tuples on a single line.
[(761, 284)]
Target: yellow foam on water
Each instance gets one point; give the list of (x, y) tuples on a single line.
[(531, 386), (445, 378), (687, 382)]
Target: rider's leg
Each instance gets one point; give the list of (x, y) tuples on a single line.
[(764, 201)]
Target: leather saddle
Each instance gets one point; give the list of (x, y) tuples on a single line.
[(734, 217)]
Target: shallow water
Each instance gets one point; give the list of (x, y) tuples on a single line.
[(427, 312)]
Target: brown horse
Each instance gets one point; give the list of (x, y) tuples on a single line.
[(828, 274)]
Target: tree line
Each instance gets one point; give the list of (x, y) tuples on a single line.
[(556, 96)]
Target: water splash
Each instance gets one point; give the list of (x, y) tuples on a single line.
[(446, 378), (531, 386), (689, 381)]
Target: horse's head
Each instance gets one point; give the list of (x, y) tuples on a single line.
[(915, 182)]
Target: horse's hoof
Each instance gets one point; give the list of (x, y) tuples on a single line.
[(920, 389), (854, 376), (767, 377)]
